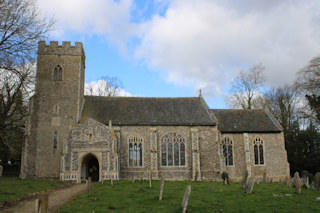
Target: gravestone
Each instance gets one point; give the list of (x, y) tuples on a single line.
[(250, 185), (161, 188), (41, 204), (244, 179), (186, 199), (317, 181), (1, 170), (111, 180), (296, 178), (264, 175), (298, 184), (133, 179), (305, 182), (211, 189), (89, 186), (288, 182), (225, 177), (150, 179)]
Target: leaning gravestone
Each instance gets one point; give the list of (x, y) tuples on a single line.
[(250, 185), (161, 188), (317, 181), (186, 199), (1, 170), (245, 179)]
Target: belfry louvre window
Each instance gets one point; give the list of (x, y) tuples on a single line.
[(173, 150), (57, 73), (227, 148), (135, 152), (258, 151)]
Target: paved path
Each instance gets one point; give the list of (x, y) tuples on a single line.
[(57, 198)]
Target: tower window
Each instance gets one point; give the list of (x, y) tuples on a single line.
[(55, 139), (57, 73)]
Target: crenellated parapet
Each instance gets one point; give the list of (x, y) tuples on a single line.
[(55, 49)]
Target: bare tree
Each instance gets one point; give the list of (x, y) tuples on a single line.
[(283, 103), (21, 26), (14, 93), (106, 86), (308, 85), (20, 29), (247, 88)]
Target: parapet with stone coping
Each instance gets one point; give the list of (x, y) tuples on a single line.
[(65, 49)]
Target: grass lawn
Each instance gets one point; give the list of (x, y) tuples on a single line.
[(12, 188), (125, 196)]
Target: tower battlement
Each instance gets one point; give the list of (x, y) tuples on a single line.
[(55, 49)]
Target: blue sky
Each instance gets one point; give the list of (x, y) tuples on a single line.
[(173, 48)]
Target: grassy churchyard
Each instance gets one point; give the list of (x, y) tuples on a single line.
[(126, 196), (13, 188)]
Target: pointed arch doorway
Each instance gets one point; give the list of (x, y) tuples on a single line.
[(90, 168)]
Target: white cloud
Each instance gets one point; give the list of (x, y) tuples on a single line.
[(203, 42)]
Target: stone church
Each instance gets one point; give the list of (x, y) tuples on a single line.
[(72, 136)]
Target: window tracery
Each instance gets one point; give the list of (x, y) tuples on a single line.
[(135, 152), (227, 148), (258, 151), (173, 150), (57, 73)]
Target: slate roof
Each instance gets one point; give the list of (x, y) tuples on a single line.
[(148, 111), (245, 120)]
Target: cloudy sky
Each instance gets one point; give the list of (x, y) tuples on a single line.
[(172, 48)]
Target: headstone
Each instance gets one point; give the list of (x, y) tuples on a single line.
[(37, 206), (89, 186), (250, 185), (305, 182), (186, 199), (211, 189), (317, 181), (161, 188), (133, 179), (225, 177), (264, 175), (1, 170), (244, 179), (296, 178), (298, 184), (111, 180), (44, 203), (150, 179), (288, 182), (41, 204)]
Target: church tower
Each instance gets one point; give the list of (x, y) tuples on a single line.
[(54, 109)]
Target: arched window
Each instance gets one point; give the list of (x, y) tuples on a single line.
[(227, 144), (173, 150), (55, 139), (135, 152), (258, 151), (57, 73)]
